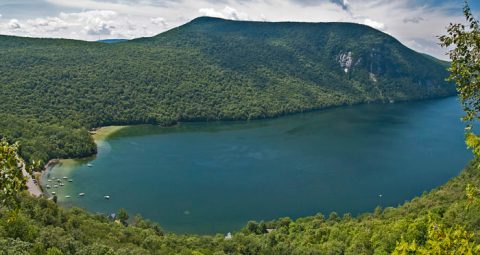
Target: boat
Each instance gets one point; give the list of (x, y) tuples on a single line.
[(70, 180), (55, 186), (48, 186), (49, 180), (89, 165), (67, 196), (81, 194), (65, 177), (54, 193), (61, 184), (106, 197)]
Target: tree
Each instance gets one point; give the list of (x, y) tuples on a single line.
[(465, 70), (441, 240), (252, 227), (14, 246), (473, 195), (12, 180), (54, 251), (123, 216)]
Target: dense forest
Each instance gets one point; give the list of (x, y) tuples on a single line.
[(54, 91)]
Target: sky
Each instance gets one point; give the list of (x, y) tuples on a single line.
[(416, 23)]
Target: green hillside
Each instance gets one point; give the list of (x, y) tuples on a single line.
[(54, 91)]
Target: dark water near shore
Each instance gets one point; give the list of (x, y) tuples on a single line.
[(214, 177)]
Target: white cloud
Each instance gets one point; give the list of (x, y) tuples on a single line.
[(93, 22), (374, 24), (159, 21), (49, 24), (232, 13), (413, 20), (13, 24), (210, 12), (145, 8), (90, 25), (227, 13)]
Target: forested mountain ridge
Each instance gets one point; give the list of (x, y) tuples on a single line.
[(54, 91)]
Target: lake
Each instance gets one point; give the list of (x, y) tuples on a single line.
[(214, 177)]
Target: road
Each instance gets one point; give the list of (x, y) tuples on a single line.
[(33, 188)]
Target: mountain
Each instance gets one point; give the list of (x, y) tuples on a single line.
[(54, 90)]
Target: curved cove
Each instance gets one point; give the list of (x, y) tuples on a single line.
[(214, 177)]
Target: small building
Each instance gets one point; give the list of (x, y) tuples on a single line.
[(112, 216)]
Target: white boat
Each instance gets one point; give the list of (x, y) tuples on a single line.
[(67, 196), (81, 194), (48, 186), (49, 180), (65, 177), (70, 180), (55, 186), (54, 193), (89, 165), (61, 184), (106, 197)]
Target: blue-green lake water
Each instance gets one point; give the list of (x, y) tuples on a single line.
[(214, 177)]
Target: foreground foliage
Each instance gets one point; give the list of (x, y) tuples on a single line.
[(12, 180), (465, 70)]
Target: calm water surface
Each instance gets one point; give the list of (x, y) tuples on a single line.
[(214, 177)]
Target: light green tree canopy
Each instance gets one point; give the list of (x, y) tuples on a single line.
[(465, 70), (12, 180)]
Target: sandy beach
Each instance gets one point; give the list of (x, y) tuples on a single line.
[(103, 133)]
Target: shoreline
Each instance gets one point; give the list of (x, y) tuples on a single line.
[(102, 133), (98, 134)]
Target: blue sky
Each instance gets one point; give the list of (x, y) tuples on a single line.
[(415, 23)]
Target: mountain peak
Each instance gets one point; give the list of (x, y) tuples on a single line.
[(202, 19)]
